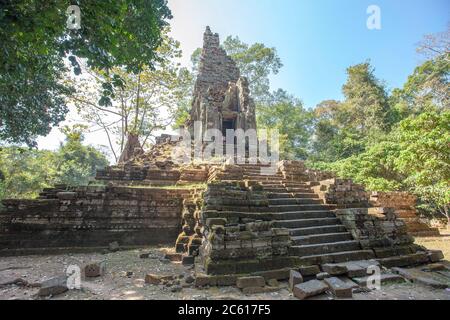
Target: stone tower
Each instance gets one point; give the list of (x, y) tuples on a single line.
[(221, 96)]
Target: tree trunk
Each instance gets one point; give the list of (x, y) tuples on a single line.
[(132, 148)]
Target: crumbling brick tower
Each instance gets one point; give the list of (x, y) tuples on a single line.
[(221, 96)]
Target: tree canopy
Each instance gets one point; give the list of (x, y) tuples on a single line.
[(36, 41), (26, 171)]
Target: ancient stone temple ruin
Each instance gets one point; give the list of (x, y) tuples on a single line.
[(221, 96), (236, 225)]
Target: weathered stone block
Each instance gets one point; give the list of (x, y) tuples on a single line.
[(339, 288), (294, 278), (435, 255), (95, 269), (245, 282), (309, 289), (157, 279), (309, 270), (53, 286), (334, 269)]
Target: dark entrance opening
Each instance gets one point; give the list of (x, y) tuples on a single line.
[(227, 125)]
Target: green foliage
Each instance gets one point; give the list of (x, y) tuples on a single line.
[(427, 89), (256, 62), (415, 156), (294, 124), (75, 163), (345, 129), (35, 41), (424, 143), (374, 168), (26, 172), (366, 100)]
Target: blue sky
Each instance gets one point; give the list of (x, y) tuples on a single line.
[(316, 40)]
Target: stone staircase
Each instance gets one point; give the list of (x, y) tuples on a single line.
[(317, 234)]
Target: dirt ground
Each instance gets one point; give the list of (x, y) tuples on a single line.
[(124, 280), (437, 243)]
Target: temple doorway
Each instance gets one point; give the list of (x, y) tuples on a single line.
[(227, 125)]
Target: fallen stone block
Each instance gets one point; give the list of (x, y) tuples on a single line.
[(435, 255), (309, 289), (432, 279), (349, 282), (406, 260), (355, 269), (95, 269), (434, 267), (384, 278), (157, 279), (339, 288), (53, 286), (245, 282), (307, 271), (334, 269), (273, 283), (294, 278)]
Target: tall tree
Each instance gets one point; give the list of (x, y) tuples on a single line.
[(286, 113), (145, 102), (366, 99), (427, 88), (35, 41), (336, 136)]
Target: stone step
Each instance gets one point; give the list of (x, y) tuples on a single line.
[(321, 238), (299, 189), (304, 194), (305, 223), (294, 184), (300, 207), (263, 178), (293, 215), (291, 201), (273, 189), (260, 175), (287, 195), (271, 185), (256, 170), (253, 166), (324, 248), (317, 230), (337, 257)]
